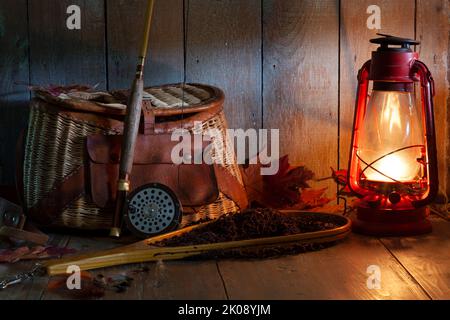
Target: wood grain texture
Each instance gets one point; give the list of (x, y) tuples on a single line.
[(224, 49), (183, 280), (125, 24), (161, 280), (355, 49), (33, 289), (433, 31), (338, 273), (426, 258), (14, 70), (62, 56), (300, 90), (81, 244)]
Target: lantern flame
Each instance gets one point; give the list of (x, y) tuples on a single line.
[(391, 167)]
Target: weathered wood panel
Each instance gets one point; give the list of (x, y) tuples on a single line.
[(301, 80), (82, 244), (31, 289), (426, 258), (433, 29), (224, 49), (125, 23), (397, 18), (173, 280), (339, 272), (62, 56), (13, 70), (161, 280)]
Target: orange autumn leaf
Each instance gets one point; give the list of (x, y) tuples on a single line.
[(313, 198), (284, 189), (61, 281)]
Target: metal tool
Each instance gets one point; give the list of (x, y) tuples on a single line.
[(11, 215), (37, 270), (13, 224), (152, 209)]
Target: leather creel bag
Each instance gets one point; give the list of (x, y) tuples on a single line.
[(72, 149)]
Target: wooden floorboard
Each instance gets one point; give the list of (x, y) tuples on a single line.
[(411, 268), (81, 244), (338, 272), (426, 258), (162, 280), (199, 280), (32, 289)]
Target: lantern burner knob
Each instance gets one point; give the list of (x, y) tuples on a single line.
[(387, 40), (394, 197)]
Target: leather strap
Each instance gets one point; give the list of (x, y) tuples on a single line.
[(230, 186), (147, 125), (61, 195)]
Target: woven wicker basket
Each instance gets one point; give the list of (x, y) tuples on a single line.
[(55, 145)]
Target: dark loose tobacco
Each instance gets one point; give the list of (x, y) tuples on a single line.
[(256, 223)]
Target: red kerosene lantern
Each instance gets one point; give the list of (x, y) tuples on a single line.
[(393, 162)]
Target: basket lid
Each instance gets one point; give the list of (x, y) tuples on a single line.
[(167, 100)]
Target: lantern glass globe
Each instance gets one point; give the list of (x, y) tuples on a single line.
[(392, 138)]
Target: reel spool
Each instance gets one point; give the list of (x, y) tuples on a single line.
[(152, 209)]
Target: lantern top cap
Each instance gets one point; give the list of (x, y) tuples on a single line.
[(387, 40)]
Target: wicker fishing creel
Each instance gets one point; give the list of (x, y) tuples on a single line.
[(55, 144)]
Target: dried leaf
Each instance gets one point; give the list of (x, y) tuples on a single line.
[(39, 252), (91, 286), (55, 251), (8, 255), (60, 282), (277, 191), (313, 198), (88, 288), (56, 90), (253, 182), (282, 189)]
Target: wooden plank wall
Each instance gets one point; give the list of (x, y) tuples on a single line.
[(300, 75), (13, 70), (287, 64), (220, 53), (125, 19), (432, 29)]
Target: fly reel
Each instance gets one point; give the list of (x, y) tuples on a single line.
[(152, 209)]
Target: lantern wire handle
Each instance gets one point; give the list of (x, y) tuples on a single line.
[(370, 165)]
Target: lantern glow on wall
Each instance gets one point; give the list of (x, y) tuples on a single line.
[(393, 161)]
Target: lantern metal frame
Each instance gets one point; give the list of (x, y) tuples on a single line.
[(394, 208)]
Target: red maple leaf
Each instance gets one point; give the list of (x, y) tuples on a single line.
[(313, 198), (281, 190)]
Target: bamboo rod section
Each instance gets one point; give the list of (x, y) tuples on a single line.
[(146, 37)]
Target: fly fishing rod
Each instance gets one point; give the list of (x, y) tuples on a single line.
[(131, 127)]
